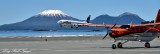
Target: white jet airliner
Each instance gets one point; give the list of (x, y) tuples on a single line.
[(73, 23)]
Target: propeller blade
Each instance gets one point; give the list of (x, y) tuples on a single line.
[(108, 31), (113, 25), (105, 35)]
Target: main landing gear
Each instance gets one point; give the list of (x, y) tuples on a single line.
[(76, 27), (147, 45), (72, 27), (120, 45)]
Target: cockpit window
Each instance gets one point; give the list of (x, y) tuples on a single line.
[(125, 26)]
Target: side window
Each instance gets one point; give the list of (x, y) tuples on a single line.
[(125, 26)]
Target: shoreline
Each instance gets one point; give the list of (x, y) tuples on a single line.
[(68, 38), (18, 38)]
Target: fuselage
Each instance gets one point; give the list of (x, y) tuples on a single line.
[(70, 22), (131, 29)]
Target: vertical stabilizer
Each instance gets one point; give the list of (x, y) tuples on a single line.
[(88, 19), (157, 20)]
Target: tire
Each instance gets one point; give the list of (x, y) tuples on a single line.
[(76, 27), (71, 27), (147, 45), (120, 45), (114, 46)]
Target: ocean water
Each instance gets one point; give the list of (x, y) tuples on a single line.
[(59, 33)]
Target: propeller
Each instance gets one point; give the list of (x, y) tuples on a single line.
[(108, 31), (114, 25), (105, 35)]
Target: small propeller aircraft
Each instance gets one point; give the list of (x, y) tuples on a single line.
[(139, 32), (74, 23)]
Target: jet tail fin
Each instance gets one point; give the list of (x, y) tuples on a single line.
[(88, 19), (157, 20)]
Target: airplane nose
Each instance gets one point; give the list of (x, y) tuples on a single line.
[(59, 22)]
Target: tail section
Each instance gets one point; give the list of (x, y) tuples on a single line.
[(157, 20), (88, 19)]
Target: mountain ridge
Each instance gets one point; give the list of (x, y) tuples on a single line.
[(124, 18), (47, 20)]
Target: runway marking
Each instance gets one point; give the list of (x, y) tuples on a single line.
[(105, 50), (41, 49)]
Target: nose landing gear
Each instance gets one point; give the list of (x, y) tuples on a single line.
[(113, 46)]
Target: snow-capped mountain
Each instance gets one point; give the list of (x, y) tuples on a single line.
[(52, 13), (125, 18), (45, 20)]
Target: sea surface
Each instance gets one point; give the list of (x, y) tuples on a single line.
[(58, 33)]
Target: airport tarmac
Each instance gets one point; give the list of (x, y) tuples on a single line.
[(83, 46)]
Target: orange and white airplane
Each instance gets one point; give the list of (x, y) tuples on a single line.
[(139, 32)]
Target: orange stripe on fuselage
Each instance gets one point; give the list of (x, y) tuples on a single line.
[(117, 32)]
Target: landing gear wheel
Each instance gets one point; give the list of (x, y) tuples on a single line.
[(147, 45), (119, 45), (76, 27), (114, 46), (71, 27)]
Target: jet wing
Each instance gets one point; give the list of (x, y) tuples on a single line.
[(99, 25), (149, 24), (111, 25)]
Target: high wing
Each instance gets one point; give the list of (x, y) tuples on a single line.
[(131, 32), (156, 23), (99, 25)]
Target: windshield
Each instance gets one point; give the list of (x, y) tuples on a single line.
[(125, 26)]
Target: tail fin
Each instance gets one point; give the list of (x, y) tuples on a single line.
[(157, 20), (88, 19)]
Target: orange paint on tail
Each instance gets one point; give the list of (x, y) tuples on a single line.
[(157, 20)]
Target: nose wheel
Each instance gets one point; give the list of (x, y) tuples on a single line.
[(113, 46)]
